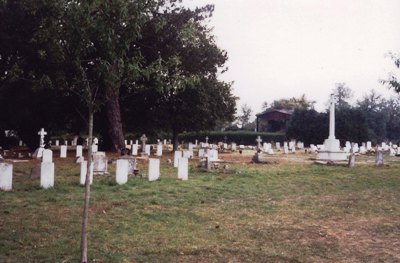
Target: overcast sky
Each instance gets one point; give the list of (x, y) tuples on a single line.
[(280, 49)]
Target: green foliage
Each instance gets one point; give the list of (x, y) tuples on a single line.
[(239, 137), (308, 126), (293, 103)]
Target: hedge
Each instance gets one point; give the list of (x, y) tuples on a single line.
[(239, 137)]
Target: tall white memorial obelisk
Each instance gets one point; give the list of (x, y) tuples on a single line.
[(332, 150)]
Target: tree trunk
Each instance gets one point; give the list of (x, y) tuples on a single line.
[(85, 216), (114, 120), (175, 140)]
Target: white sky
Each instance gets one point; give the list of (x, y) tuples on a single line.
[(281, 48)]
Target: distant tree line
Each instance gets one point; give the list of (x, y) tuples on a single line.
[(372, 118)]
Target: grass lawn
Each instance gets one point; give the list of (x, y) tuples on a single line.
[(290, 210)]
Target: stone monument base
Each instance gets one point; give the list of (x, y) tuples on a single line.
[(332, 151), (332, 156)]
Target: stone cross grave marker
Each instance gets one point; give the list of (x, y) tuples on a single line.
[(258, 140), (143, 139), (154, 169), (42, 133), (6, 173)]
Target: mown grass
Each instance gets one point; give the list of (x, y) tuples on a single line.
[(282, 212)]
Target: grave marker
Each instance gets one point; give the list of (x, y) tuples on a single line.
[(122, 171), (183, 168), (47, 170), (154, 169), (6, 173)]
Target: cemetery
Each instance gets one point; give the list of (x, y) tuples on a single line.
[(122, 141), (206, 197)]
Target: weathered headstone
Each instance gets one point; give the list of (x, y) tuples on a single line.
[(379, 158), (84, 172), (63, 151), (47, 170), (122, 171), (6, 173), (183, 168), (212, 155), (154, 169), (100, 164)]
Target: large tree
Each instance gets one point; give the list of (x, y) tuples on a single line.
[(181, 91)]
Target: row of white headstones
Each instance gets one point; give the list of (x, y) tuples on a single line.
[(47, 169)]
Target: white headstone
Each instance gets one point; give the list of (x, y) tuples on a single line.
[(57, 143), (177, 156), (134, 149), (79, 151), (47, 156), (233, 146), (187, 154), (213, 155), (122, 171), (278, 145), (201, 152), (95, 148), (63, 151), (183, 168), (84, 172), (285, 149), (154, 169), (369, 146), (147, 149), (6, 173), (159, 150), (191, 146), (47, 175)]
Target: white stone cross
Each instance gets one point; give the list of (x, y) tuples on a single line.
[(332, 102), (143, 139), (258, 140), (42, 133)]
